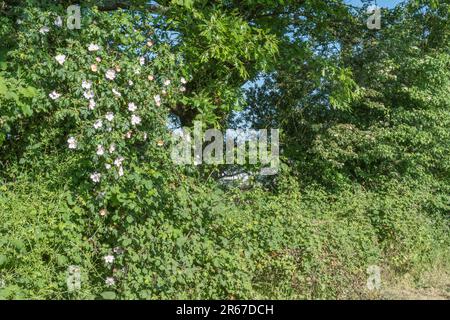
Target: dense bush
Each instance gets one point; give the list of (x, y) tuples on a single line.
[(212, 243)]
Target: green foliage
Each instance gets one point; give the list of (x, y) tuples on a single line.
[(39, 240), (364, 117), (294, 245)]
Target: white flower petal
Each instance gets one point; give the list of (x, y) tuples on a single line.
[(135, 120), (132, 107), (44, 30), (95, 177), (88, 94), (157, 99), (110, 281), (92, 104), (93, 47), (86, 84), (72, 142), (98, 124), (109, 116), (110, 74), (109, 258), (100, 150), (116, 93), (54, 95), (61, 58)]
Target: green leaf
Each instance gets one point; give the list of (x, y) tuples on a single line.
[(3, 259), (26, 110), (108, 295)]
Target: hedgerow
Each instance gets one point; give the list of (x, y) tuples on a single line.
[(88, 184)]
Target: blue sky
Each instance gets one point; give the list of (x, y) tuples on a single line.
[(381, 3)]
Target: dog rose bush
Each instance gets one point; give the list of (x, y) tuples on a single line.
[(105, 87)]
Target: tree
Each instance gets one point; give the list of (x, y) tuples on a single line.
[(367, 104)]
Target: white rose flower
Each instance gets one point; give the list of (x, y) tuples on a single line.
[(100, 150), (157, 100), (118, 161), (44, 30), (72, 142), (98, 124), (183, 89), (132, 107), (92, 104), (109, 259), (183, 80), (109, 116), (93, 47), (110, 74), (135, 120), (116, 93), (61, 58), (95, 177), (88, 94), (107, 166), (167, 82), (86, 84), (112, 148), (98, 59), (130, 83), (141, 61), (110, 281), (54, 95), (120, 171)]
